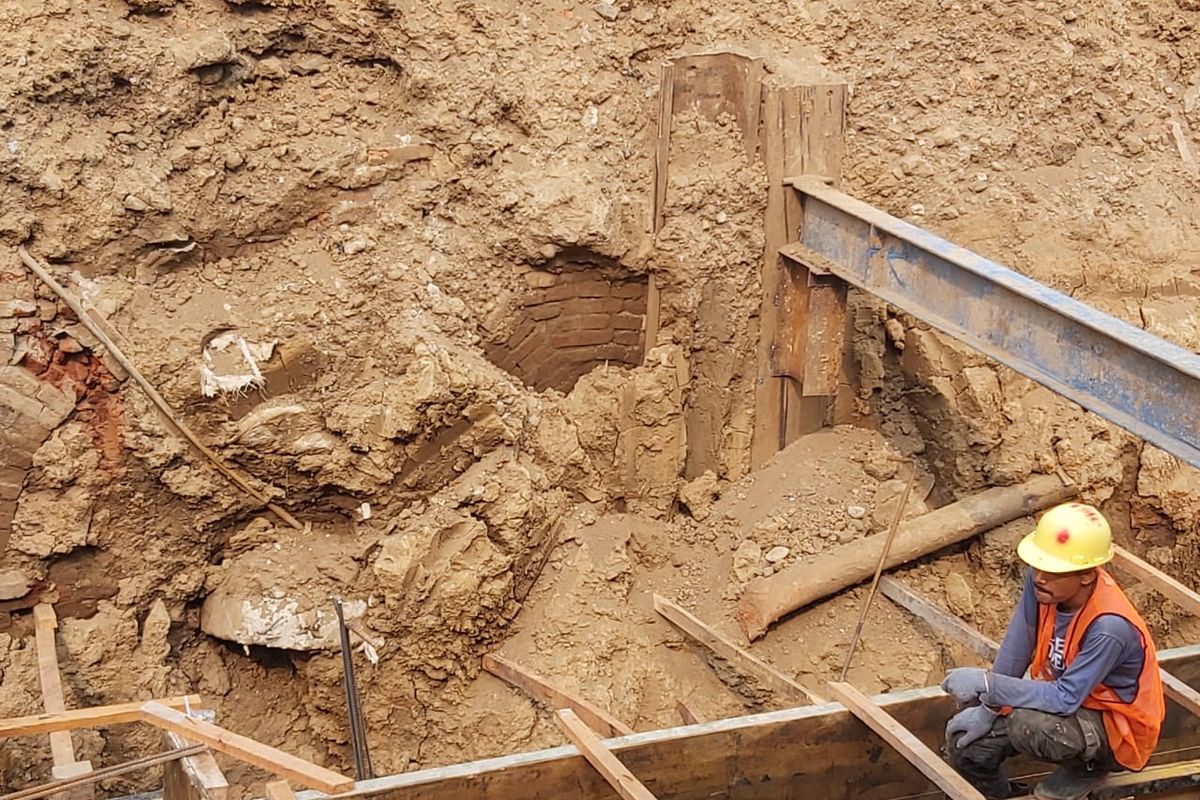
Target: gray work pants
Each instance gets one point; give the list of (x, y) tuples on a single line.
[(1078, 740)]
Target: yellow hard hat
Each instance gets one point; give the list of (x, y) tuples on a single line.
[(1068, 538)]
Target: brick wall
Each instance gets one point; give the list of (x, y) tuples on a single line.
[(569, 323), (29, 408)]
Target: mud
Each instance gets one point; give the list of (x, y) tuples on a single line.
[(437, 217)]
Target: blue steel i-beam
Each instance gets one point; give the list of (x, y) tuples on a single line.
[(1144, 384)]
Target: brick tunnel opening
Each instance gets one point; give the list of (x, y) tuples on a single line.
[(580, 310)]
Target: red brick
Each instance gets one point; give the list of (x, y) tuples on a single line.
[(580, 338), (545, 311), (531, 360), (9, 490), (536, 279), (627, 322), (530, 344), (634, 306), (629, 289), (585, 322), (524, 328), (592, 289), (15, 457), (20, 403)]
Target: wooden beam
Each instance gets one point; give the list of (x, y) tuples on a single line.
[(767, 438), (1157, 780), (757, 754), (246, 749), (62, 749), (938, 618), (735, 656), (280, 790), (600, 757), (1183, 694), (550, 695), (1161, 582), (904, 742), (97, 717), (44, 623), (662, 144), (196, 777)]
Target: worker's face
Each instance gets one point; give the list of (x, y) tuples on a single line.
[(1054, 588)]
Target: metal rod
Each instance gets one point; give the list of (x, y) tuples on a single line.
[(883, 555), (358, 731), (47, 789)]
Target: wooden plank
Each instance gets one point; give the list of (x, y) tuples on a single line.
[(97, 717), (195, 777), (601, 758), (767, 437), (653, 316), (822, 129), (1179, 776), (738, 658), (45, 622), (686, 713), (794, 286), (662, 145), (246, 749), (1183, 694), (904, 742), (1162, 583), (751, 757), (279, 790), (548, 694), (938, 618)]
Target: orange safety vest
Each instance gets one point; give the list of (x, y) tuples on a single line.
[(1133, 727)]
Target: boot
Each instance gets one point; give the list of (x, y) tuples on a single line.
[(1069, 782)]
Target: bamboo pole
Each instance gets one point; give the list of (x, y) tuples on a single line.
[(178, 424)]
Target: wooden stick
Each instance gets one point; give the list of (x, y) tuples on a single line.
[(938, 618), (662, 145), (600, 757), (97, 717), (1161, 582), (548, 694), (55, 787), (904, 742), (149, 389), (44, 624), (686, 713), (246, 749), (883, 555), (737, 658)]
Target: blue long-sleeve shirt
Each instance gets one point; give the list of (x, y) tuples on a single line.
[(1110, 653)]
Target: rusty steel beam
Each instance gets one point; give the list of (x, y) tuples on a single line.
[(1138, 381)]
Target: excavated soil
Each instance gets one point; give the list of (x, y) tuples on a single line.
[(392, 259)]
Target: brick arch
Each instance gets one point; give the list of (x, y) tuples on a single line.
[(576, 315)]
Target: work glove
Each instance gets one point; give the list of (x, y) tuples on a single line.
[(968, 725), (966, 684)]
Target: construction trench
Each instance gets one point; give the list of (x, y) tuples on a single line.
[(575, 347)]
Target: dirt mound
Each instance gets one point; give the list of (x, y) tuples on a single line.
[(392, 259)]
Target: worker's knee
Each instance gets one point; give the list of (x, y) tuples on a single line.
[(981, 756), (1048, 737)]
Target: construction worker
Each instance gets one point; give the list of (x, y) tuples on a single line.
[(1093, 701)]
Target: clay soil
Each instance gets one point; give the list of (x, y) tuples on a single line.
[(319, 227)]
